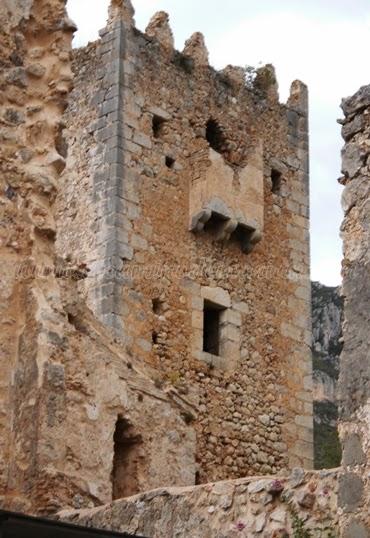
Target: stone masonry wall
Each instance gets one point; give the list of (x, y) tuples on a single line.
[(65, 379), (137, 132), (354, 382), (303, 505), (326, 503)]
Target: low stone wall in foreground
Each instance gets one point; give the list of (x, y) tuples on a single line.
[(303, 505)]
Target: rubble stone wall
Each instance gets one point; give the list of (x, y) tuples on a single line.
[(137, 127), (354, 381), (303, 505)]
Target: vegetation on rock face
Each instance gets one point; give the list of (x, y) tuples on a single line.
[(326, 441), (327, 317), (320, 364)]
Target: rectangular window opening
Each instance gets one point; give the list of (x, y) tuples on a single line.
[(212, 327), (276, 180)]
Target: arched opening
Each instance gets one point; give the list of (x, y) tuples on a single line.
[(126, 460)]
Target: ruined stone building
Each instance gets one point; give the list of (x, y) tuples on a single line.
[(186, 196), (156, 328), (320, 504), (155, 293)]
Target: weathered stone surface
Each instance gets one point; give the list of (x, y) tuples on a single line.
[(159, 28), (356, 529), (195, 47), (354, 381), (217, 510), (357, 102), (353, 159), (353, 453), (297, 477), (353, 127)]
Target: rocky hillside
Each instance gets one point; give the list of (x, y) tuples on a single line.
[(327, 315)]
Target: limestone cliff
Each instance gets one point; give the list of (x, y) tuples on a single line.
[(327, 317)]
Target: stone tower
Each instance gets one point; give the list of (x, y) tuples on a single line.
[(186, 195)]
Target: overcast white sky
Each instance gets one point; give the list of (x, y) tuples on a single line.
[(325, 43)]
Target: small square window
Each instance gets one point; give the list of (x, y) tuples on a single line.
[(212, 327)]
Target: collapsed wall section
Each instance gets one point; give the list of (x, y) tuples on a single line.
[(189, 205)]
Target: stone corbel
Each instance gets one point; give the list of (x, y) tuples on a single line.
[(250, 241), (226, 229), (199, 220)]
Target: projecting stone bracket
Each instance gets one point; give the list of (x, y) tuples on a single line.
[(250, 240), (200, 219), (219, 221)]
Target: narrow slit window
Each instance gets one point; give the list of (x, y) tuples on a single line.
[(276, 180), (211, 328), (157, 306)]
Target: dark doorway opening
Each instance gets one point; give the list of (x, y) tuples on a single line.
[(126, 460)]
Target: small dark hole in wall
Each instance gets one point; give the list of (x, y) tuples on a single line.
[(170, 162), (276, 180), (184, 62), (140, 397), (197, 478), (157, 306), (155, 337), (187, 417), (10, 193), (77, 324), (61, 145), (215, 137), (158, 124)]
